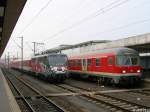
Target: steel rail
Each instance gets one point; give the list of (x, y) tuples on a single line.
[(21, 95), (142, 106), (40, 94), (94, 98), (142, 92), (107, 96)]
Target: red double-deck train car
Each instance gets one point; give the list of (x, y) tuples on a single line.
[(115, 65)]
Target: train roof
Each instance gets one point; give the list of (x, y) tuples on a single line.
[(119, 51), (115, 51), (42, 55)]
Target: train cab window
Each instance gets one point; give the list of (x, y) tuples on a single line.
[(97, 61), (127, 60), (134, 60), (88, 62), (110, 61)]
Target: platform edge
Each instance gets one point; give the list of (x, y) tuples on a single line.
[(12, 102)]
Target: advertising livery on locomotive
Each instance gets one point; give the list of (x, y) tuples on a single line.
[(115, 65), (52, 67)]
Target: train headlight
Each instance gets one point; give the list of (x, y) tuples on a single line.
[(54, 69), (123, 71), (138, 71)]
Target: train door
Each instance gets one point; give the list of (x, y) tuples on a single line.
[(84, 65)]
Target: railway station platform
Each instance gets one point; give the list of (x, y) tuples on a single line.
[(147, 80), (7, 100)]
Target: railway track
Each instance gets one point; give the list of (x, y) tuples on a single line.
[(29, 98), (142, 92), (110, 102)]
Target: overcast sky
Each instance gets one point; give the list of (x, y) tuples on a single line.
[(56, 22)]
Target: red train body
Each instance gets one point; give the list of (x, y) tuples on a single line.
[(116, 65)]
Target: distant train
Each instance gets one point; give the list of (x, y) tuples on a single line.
[(115, 65), (52, 67)]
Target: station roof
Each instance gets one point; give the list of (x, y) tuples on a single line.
[(10, 11), (141, 43), (63, 47)]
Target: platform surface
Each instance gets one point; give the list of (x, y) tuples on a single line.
[(7, 100), (147, 80)]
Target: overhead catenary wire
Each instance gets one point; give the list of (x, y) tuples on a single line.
[(125, 26), (103, 10), (36, 16), (20, 46), (16, 43), (27, 43), (122, 27)]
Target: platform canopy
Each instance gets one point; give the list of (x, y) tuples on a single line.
[(10, 11), (141, 43)]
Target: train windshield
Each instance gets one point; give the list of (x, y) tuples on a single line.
[(57, 60), (127, 60)]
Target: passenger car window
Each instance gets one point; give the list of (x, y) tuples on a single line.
[(110, 61), (97, 61), (89, 62)]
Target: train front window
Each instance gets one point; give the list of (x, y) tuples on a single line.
[(127, 60), (134, 60), (56, 60)]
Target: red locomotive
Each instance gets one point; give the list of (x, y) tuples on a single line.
[(115, 65), (52, 67)]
